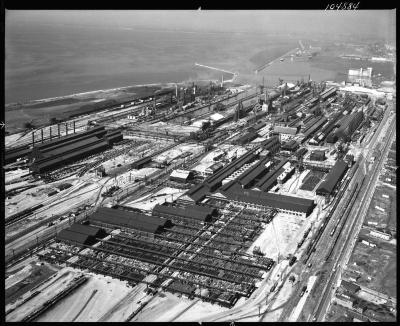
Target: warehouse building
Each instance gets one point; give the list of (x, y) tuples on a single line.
[(67, 149), (270, 179), (181, 176), (87, 230), (332, 179), (258, 199), (215, 181), (75, 238), (141, 162), (350, 287), (271, 144), (67, 154), (285, 133), (349, 125), (213, 168), (196, 212), (290, 146), (253, 175), (116, 218)]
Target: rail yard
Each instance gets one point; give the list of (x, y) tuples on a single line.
[(223, 203)]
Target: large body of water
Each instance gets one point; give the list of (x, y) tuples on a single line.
[(45, 61), (48, 61)]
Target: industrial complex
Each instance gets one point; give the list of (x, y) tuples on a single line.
[(228, 199)]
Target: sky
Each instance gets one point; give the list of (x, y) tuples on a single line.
[(357, 22)]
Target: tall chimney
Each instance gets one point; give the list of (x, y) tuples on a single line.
[(74, 126), (33, 138), (58, 127), (66, 128), (41, 132), (50, 132)]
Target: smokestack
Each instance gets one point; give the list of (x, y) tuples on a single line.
[(41, 132), (33, 138), (74, 126), (66, 128), (58, 127), (222, 82), (176, 91), (50, 132)]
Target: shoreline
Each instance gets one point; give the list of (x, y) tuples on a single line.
[(107, 90)]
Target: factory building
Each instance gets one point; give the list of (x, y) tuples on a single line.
[(141, 162), (270, 179), (116, 218), (52, 154), (271, 144), (332, 179), (75, 238), (350, 287), (251, 176), (88, 230), (181, 176), (349, 125), (214, 168), (81, 234), (215, 181), (259, 199), (285, 133), (196, 212), (290, 146), (66, 154), (246, 138)]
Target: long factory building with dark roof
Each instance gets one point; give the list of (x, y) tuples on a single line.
[(117, 218), (52, 154), (193, 212), (332, 179), (259, 199)]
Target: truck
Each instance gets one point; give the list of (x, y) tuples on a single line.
[(303, 290)]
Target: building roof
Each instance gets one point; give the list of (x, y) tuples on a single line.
[(74, 237), (285, 130), (351, 287), (85, 229), (267, 180), (271, 200), (56, 160), (251, 174), (215, 179), (290, 145), (180, 174), (216, 166), (75, 145), (142, 161), (333, 177), (198, 192), (131, 220), (200, 213)]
